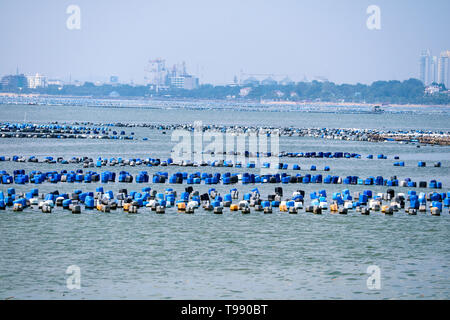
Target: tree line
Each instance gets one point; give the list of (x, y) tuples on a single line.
[(411, 91)]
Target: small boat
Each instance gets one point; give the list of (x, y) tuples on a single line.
[(377, 109)]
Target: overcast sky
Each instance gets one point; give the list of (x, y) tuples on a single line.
[(218, 39)]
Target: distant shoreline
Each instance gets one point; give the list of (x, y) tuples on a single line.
[(231, 101), (349, 104)]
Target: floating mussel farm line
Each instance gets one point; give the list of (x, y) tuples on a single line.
[(219, 173), (83, 130), (78, 176), (55, 131), (246, 156), (19, 176), (148, 199)]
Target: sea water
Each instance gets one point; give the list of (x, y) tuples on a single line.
[(229, 256)]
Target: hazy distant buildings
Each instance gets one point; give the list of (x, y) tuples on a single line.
[(433, 69), (114, 94), (320, 79), (55, 82), (431, 90), (178, 78), (286, 82), (245, 91), (443, 76), (252, 81), (157, 73), (424, 67), (14, 82), (186, 82), (114, 79), (36, 81), (269, 81), (162, 78)]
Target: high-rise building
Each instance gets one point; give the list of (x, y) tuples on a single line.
[(424, 67), (433, 69), (443, 69)]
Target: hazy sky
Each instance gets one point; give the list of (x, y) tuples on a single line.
[(299, 38)]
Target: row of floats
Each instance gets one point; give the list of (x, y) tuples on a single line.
[(420, 164), (151, 162), (65, 136), (227, 178), (350, 134), (330, 155), (55, 128), (190, 200), (237, 129)]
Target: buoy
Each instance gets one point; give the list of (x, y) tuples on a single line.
[(160, 209), (234, 207), (267, 210), (258, 207), (334, 207), (317, 210), (132, 209), (76, 209), (365, 211), (245, 210), (46, 208), (207, 206), (387, 210), (435, 211), (181, 207), (190, 209)]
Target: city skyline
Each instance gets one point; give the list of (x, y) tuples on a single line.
[(434, 68), (221, 41)]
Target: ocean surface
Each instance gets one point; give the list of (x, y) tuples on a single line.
[(229, 256)]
